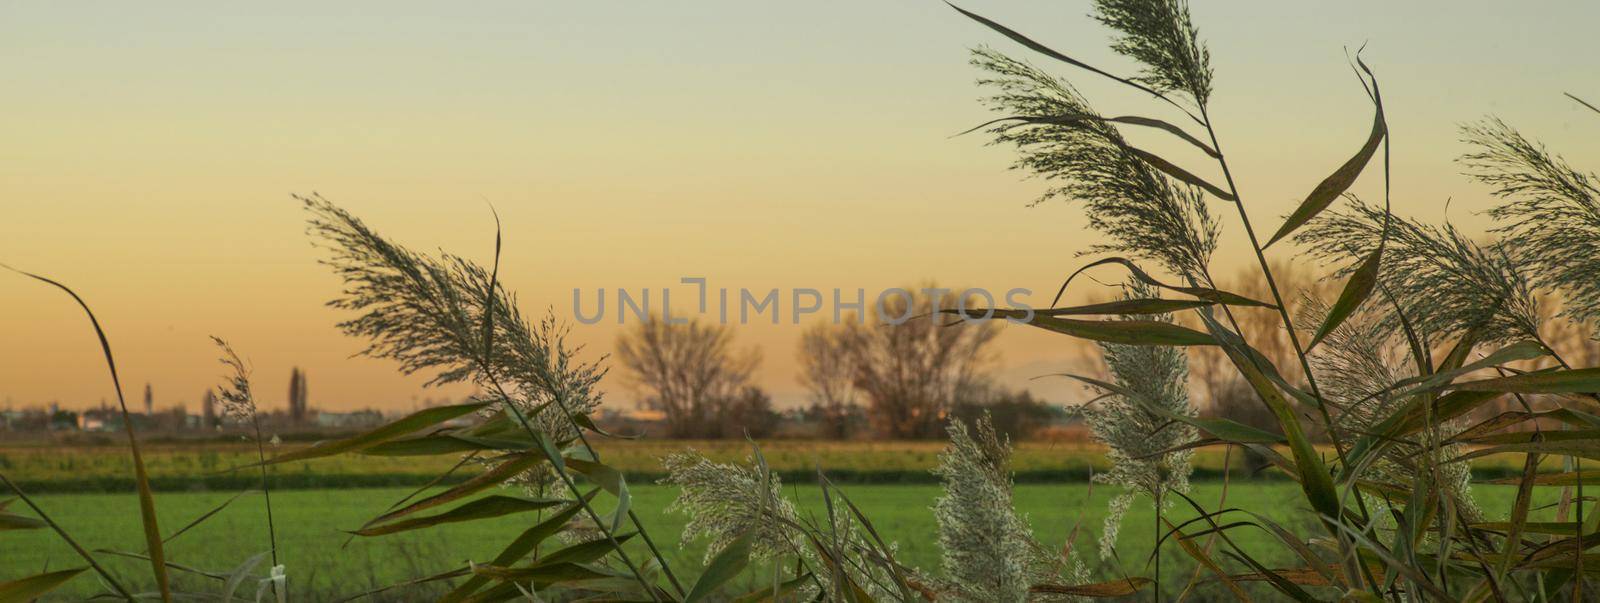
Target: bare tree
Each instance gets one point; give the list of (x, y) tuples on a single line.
[(687, 371), (827, 373), (912, 373)]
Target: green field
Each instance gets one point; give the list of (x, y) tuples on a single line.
[(321, 567), (88, 490)]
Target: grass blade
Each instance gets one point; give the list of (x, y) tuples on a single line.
[(1122, 307), (1570, 381), (731, 560), (1171, 169), (519, 548), (1099, 590), (1127, 332), (1340, 180), (1356, 290), (147, 502), (33, 587), (483, 508), (406, 425), (1208, 294)]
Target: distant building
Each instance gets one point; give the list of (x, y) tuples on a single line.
[(349, 420)]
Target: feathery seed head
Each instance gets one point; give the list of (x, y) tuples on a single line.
[(1160, 34), (1061, 139)]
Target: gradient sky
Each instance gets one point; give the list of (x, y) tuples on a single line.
[(148, 151)]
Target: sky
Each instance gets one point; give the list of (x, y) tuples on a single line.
[(148, 153)]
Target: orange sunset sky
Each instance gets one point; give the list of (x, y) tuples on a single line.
[(148, 152)]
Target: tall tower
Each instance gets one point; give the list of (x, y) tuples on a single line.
[(297, 396), (149, 400), (208, 410)]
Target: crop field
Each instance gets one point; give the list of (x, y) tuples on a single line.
[(183, 467), (81, 490)]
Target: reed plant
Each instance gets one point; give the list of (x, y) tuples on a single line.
[(1430, 328)]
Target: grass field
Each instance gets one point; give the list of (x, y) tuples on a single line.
[(86, 489), (322, 568)]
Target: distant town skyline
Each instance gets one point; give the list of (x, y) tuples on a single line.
[(149, 152)]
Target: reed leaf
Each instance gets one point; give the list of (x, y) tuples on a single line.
[(1126, 332), (1569, 381), (1125, 307), (482, 508), (1181, 175), (411, 423), (1099, 590), (27, 589), (519, 548), (724, 567), (1356, 290), (1205, 293), (147, 502), (1339, 181), (483, 481)]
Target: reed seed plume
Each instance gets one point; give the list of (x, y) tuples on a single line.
[(239, 402), (1159, 34), (1361, 358), (989, 551), (1551, 210), (427, 314), (1451, 284), (724, 501), (1138, 439), (1061, 139)]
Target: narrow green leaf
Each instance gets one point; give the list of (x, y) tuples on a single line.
[(1099, 590), (519, 548), (207, 515), (32, 587), (1181, 174), (612, 481), (1205, 293), (1567, 381), (1338, 182), (1067, 119), (1559, 528), (409, 424), (177, 566), (147, 501), (455, 573), (12, 521), (1206, 561), (541, 574), (1356, 290), (1127, 332), (483, 481), (582, 552), (1126, 307), (448, 443), (482, 508), (728, 563), (1313, 474)]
